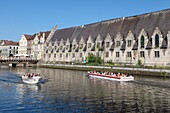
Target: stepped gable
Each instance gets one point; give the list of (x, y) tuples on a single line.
[(148, 22)]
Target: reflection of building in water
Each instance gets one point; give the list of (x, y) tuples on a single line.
[(24, 91)]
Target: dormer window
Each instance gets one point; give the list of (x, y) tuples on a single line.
[(81, 46), (107, 44), (74, 46), (129, 43), (89, 45), (156, 40), (142, 40), (117, 43), (129, 54), (67, 47), (60, 47)]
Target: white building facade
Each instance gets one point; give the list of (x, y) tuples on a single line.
[(126, 41)]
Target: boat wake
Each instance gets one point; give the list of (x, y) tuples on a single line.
[(10, 77)]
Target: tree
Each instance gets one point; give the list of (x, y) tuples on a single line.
[(93, 59)]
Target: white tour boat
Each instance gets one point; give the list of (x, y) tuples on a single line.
[(30, 80), (111, 76)]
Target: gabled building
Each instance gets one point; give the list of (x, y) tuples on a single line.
[(125, 40), (25, 45), (8, 48), (38, 44)]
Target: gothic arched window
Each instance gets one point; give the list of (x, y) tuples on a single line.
[(142, 40), (156, 40)]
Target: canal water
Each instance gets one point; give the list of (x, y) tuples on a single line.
[(68, 91)]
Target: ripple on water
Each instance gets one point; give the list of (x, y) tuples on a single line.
[(72, 91)]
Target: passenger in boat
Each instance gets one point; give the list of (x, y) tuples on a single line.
[(118, 75)]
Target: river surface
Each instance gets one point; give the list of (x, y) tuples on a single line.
[(67, 91)]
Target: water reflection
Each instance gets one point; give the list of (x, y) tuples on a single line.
[(73, 91)]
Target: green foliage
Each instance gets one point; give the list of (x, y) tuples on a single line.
[(139, 63), (92, 59)]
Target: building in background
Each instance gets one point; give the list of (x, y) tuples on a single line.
[(38, 45), (8, 48), (25, 45)]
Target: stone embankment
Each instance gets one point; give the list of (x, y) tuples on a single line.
[(129, 70)]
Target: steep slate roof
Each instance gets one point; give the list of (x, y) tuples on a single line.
[(148, 22), (63, 34), (135, 46), (164, 43), (112, 47)]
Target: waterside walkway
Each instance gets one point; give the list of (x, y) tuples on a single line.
[(130, 70)]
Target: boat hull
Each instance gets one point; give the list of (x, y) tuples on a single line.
[(30, 81), (109, 77)]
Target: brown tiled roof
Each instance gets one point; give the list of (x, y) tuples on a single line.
[(27, 36), (7, 42), (32, 37), (148, 22)]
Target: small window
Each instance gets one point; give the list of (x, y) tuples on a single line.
[(156, 40), (129, 54), (66, 55), (107, 54), (107, 44), (117, 43), (98, 45), (81, 55), (142, 40), (60, 55), (129, 43), (73, 55), (54, 55), (117, 54), (61, 47), (81, 46), (74, 46), (49, 56), (67, 47), (142, 54), (89, 45), (157, 54)]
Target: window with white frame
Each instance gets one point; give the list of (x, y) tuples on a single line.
[(117, 54), (129, 54), (129, 43), (157, 54)]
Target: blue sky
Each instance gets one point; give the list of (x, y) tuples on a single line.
[(19, 17)]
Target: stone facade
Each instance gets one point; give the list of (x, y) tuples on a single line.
[(121, 41)]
